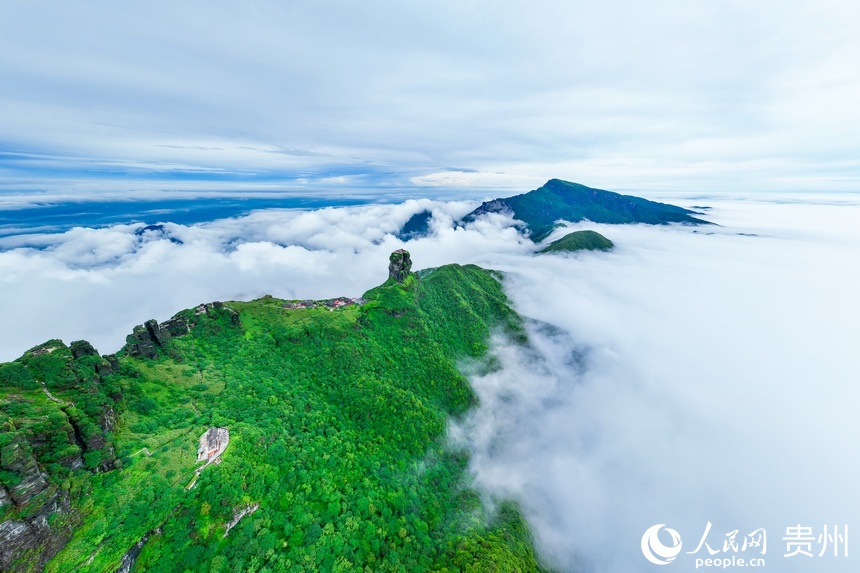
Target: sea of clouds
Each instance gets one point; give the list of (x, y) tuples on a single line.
[(693, 374)]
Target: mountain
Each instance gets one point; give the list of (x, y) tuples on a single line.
[(418, 225), (578, 241), (320, 427), (557, 199)]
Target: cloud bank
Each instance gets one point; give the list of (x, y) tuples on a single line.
[(691, 375), (98, 283), (304, 96)]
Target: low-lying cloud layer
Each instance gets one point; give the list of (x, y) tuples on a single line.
[(691, 375), (695, 378), (98, 283)]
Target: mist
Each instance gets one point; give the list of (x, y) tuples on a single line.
[(97, 284), (691, 375), (687, 377)]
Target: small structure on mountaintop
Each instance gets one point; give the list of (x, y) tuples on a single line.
[(331, 303), (213, 442)]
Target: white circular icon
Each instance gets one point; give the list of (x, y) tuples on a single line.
[(654, 550)]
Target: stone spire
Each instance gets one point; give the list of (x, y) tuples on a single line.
[(400, 265)]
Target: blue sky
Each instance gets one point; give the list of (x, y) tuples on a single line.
[(275, 97)]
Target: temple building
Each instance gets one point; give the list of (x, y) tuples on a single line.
[(213, 442)]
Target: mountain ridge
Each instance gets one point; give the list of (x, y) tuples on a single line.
[(540, 208), (337, 457)]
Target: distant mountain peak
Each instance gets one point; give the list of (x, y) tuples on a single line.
[(563, 200), (579, 241)]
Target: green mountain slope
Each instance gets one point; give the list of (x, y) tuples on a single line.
[(418, 225), (578, 241), (557, 199), (337, 458)]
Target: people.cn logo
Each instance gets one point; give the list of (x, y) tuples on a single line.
[(654, 550)]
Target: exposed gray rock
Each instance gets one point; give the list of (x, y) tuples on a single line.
[(182, 323), (33, 492), (150, 339), (108, 365), (93, 441), (176, 326), (130, 556), (81, 348), (34, 533), (400, 265), (107, 420), (146, 341), (157, 335), (494, 206), (16, 459)]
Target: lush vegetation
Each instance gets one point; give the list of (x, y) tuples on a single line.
[(337, 452), (557, 199), (578, 241)]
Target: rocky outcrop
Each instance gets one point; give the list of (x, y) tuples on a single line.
[(176, 326), (146, 340), (400, 265), (27, 533), (22, 478), (219, 307), (42, 440), (81, 348), (494, 206), (90, 438), (28, 543), (108, 366), (150, 339), (182, 323)]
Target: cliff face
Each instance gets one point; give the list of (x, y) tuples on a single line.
[(400, 265), (59, 406), (28, 539), (57, 411), (28, 543)]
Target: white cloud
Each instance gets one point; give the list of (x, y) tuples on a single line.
[(695, 374), (98, 283), (717, 382), (277, 93)]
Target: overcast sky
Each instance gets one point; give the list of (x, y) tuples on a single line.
[(311, 96)]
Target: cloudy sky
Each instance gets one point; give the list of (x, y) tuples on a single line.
[(311, 97), (693, 374)]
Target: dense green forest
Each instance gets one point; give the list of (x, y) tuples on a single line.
[(337, 459), (579, 241)]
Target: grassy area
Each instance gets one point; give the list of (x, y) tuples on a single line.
[(337, 430)]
